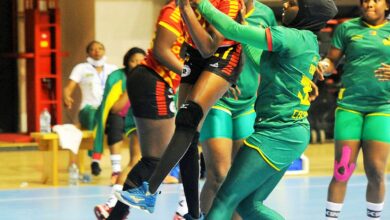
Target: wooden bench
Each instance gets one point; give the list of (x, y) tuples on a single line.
[(5, 144), (49, 142)]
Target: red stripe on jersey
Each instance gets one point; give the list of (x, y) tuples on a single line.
[(269, 38), (233, 61), (161, 101)]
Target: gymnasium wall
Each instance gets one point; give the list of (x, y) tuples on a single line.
[(122, 24), (118, 24)]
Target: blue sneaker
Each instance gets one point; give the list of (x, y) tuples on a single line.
[(139, 198), (189, 217)]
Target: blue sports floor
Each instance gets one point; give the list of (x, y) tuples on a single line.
[(297, 198)]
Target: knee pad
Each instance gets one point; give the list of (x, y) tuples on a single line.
[(114, 129), (142, 170), (342, 170), (189, 115)]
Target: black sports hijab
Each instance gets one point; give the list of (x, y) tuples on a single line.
[(313, 14)]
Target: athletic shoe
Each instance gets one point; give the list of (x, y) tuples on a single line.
[(177, 216), (102, 211), (95, 168), (139, 198), (114, 177), (189, 217)]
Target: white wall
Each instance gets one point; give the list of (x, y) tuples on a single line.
[(119, 24), (122, 24), (78, 29)]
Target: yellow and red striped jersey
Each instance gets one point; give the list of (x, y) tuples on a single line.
[(170, 19), (229, 7)]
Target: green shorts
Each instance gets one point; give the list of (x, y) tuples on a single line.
[(354, 125), (87, 117), (129, 123), (224, 123), (279, 147)]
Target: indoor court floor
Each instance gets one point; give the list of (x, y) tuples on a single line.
[(301, 197), (297, 198)]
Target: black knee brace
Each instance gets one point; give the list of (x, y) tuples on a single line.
[(142, 170), (189, 115)]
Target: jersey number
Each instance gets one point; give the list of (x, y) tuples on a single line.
[(304, 94)]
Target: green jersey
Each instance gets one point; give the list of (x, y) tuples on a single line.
[(287, 65), (260, 15), (286, 72), (365, 48)]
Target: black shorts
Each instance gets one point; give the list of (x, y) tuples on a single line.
[(114, 128), (226, 62), (149, 94)]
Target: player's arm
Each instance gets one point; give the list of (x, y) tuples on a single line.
[(313, 94), (68, 91), (120, 103), (207, 41), (253, 54), (230, 29), (162, 49), (328, 65)]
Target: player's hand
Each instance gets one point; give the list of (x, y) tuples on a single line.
[(322, 67), (383, 73), (68, 101), (233, 92), (314, 91), (243, 12), (243, 8)]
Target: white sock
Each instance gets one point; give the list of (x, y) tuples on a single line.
[(333, 210), (96, 160), (116, 160), (112, 198), (116, 188), (374, 210), (182, 208)]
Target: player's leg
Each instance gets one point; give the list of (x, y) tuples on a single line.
[(86, 118), (208, 87), (348, 131), (249, 170), (155, 125), (376, 148), (114, 129), (253, 208)]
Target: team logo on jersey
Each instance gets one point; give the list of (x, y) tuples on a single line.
[(184, 106), (373, 33), (215, 65), (386, 41), (172, 107), (186, 71), (357, 37)]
